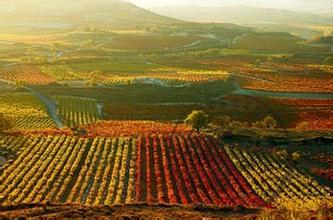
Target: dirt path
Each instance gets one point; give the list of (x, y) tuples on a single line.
[(51, 106)]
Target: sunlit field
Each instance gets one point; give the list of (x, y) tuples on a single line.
[(116, 109)]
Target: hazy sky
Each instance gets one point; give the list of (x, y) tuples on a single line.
[(287, 4)]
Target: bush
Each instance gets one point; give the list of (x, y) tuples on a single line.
[(296, 156), (267, 123)]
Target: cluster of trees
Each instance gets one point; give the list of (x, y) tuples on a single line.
[(284, 154), (266, 123), (198, 119)]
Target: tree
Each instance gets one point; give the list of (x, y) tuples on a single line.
[(197, 119), (4, 123), (267, 123)]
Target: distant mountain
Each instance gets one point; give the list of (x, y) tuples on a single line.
[(263, 18), (94, 13)]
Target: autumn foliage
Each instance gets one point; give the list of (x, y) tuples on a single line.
[(26, 74), (134, 128)]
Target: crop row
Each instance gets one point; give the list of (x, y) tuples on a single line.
[(277, 82), (107, 175), (133, 128), (189, 169), (77, 111), (311, 114), (13, 143), (275, 180), (24, 112), (154, 169), (26, 74), (167, 78)]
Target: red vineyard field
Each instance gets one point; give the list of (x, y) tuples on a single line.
[(278, 77), (133, 128), (327, 172), (154, 169), (267, 80), (26, 74), (189, 169), (116, 128), (311, 114)]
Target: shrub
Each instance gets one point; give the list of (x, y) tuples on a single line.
[(267, 123)]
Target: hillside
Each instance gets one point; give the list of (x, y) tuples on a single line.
[(110, 110), (266, 19), (110, 13), (242, 14)]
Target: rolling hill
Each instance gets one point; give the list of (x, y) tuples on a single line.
[(100, 13)]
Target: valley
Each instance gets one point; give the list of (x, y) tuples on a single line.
[(112, 110)]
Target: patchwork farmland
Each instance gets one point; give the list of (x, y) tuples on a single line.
[(109, 110)]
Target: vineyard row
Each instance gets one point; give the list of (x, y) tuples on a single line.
[(168, 169)]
